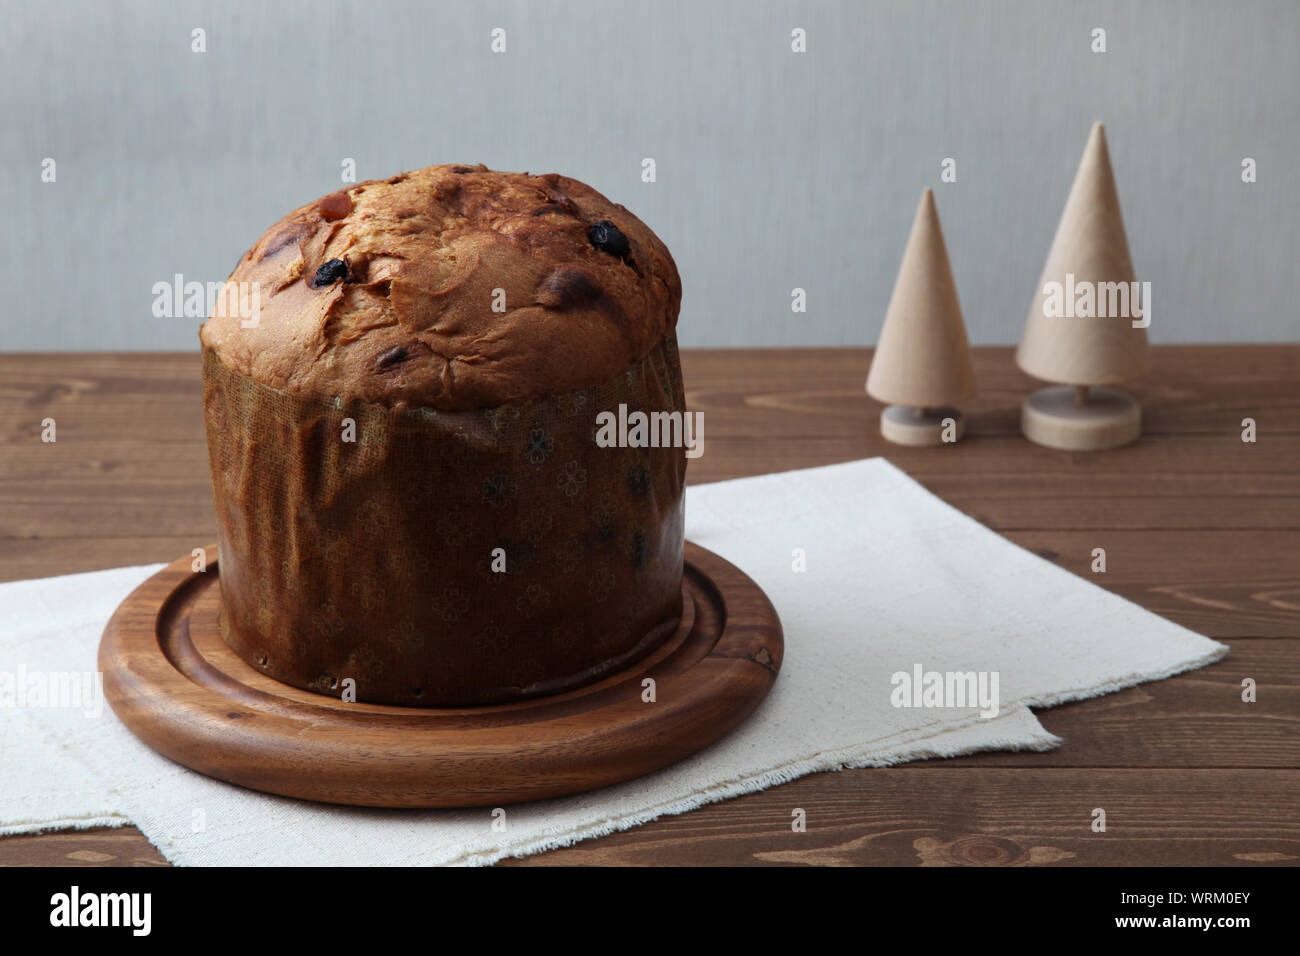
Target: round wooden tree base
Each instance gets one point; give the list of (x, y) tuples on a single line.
[(905, 425), (1053, 418), (171, 679)]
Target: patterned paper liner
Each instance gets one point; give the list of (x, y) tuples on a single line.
[(373, 559)]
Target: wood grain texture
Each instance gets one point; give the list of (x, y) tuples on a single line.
[(170, 677), (1198, 527), (918, 815)]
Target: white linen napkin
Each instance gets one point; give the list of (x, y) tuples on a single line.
[(894, 585)]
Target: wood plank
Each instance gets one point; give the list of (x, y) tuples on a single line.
[(1192, 720), (1142, 466), (1218, 583), (48, 509), (95, 375), (95, 847), (170, 416), (43, 490), (96, 462), (914, 815), (829, 410), (940, 816), (80, 372), (23, 558), (1130, 512), (818, 394), (1145, 461), (66, 491), (1080, 484), (1190, 390)]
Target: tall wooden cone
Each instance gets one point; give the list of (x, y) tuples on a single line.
[(923, 358), (1091, 244)]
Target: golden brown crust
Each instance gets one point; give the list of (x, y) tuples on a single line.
[(413, 322)]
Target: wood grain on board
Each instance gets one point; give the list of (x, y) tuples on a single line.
[(1198, 527)]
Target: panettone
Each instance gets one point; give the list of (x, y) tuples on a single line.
[(409, 491)]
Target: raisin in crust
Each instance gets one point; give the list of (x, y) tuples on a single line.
[(391, 291)]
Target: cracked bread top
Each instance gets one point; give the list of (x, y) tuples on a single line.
[(451, 287)]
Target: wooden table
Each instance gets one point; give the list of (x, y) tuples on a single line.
[(1197, 525)]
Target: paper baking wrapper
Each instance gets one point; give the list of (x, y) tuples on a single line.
[(373, 559)]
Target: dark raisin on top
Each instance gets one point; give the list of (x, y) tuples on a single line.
[(394, 359), (567, 288), (394, 356), (462, 169), (330, 273), (606, 237)]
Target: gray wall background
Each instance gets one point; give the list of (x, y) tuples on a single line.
[(775, 170)]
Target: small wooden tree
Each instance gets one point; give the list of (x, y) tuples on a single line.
[(922, 364), (1072, 335)]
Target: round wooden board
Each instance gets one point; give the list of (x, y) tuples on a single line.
[(171, 679)]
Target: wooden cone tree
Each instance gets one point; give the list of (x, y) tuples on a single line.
[(922, 364), (1070, 336)]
